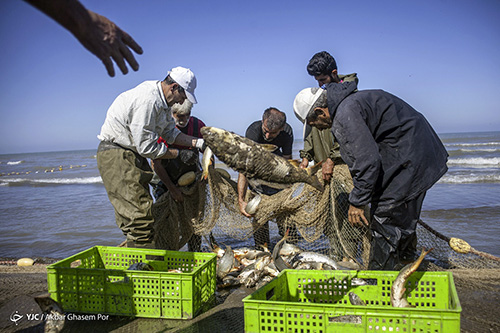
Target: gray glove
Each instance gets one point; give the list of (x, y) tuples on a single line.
[(188, 156)]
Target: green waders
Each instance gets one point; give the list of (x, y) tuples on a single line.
[(126, 176)]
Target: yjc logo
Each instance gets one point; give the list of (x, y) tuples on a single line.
[(15, 317)]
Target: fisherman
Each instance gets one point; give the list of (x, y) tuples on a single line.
[(272, 129), (394, 157), (319, 144), (169, 171), (129, 136)]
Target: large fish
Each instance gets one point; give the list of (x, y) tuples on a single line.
[(398, 286), (313, 257), (255, 161), (54, 314)]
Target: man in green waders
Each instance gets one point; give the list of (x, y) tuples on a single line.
[(134, 123)]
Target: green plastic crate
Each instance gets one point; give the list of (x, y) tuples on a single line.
[(97, 281), (308, 301)]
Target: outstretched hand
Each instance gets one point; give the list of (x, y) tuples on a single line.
[(108, 42), (95, 32)]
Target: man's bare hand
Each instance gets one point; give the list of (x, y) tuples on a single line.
[(108, 42), (95, 32), (327, 169), (357, 216), (304, 163), (243, 205)]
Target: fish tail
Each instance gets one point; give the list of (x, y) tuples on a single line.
[(417, 262), (311, 171), (316, 183)]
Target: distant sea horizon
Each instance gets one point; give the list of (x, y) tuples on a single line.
[(53, 204), (296, 140)]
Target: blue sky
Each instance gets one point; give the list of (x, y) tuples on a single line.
[(441, 56)]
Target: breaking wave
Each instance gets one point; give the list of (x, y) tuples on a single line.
[(470, 179), (15, 162), (475, 161), (51, 181), (472, 144)]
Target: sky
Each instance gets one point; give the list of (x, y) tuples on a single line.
[(440, 56)]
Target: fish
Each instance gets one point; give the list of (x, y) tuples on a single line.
[(218, 251), (206, 161), (255, 161), (259, 272), (225, 263), (246, 253), (313, 257), (355, 299), (398, 286), (140, 266), (278, 261), (265, 280), (54, 314), (229, 281), (246, 272), (358, 282), (290, 249), (309, 265)]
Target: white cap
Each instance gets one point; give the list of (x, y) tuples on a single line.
[(186, 79), (303, 103)]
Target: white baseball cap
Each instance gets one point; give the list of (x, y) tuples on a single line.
[(303, 104), (186, 79)]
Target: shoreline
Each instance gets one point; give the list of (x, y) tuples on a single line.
[(478, 292)]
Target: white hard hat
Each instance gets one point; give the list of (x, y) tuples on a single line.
[(303, 104)]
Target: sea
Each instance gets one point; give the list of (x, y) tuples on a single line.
[(53, 204)]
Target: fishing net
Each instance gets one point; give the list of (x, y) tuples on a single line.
[(318, 221)]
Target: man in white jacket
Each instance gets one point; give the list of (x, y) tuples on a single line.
[(129, 136)]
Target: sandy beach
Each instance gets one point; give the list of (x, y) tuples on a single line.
[(478, 291)]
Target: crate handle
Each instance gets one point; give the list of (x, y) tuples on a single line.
[(269, 294)]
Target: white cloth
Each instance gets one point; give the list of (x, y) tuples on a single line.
[(137, 118)]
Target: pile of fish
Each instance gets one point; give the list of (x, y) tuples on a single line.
[(253, 268)]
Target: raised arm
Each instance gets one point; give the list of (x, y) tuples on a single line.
[(95, 32)]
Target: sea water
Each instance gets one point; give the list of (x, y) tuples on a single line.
[(54, 204)]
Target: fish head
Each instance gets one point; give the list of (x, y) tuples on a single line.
[(214, 134)]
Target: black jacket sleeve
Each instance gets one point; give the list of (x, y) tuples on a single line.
[(359, 150)]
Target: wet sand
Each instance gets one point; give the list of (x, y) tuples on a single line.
[(478, 291)]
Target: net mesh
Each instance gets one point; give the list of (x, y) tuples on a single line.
[(210, 207)]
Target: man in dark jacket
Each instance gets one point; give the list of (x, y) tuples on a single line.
[(394, 157)]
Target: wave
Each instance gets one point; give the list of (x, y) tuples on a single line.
[(472, 144), (51, 181), (469, 179), (488, 150), (15, 162), (475, 161)]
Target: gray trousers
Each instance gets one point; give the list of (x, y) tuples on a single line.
[(126, 176)]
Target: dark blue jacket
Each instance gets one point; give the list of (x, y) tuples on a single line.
[(391, 150)]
